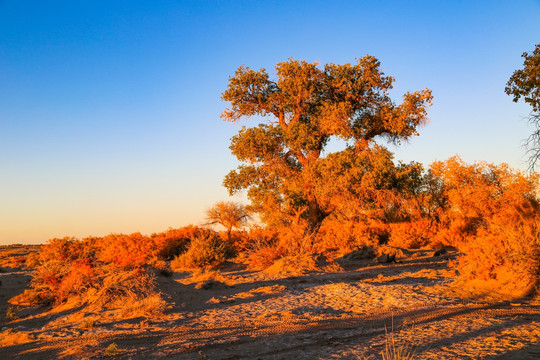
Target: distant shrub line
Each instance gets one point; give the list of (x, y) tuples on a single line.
[(491, 213)]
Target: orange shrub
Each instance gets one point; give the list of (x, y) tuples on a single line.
[(127, 251), (412, 235), (506, 253), (206, 250), (262, 248), (492, 214), (173, 242), (75, 269), (345, 235), (476, 193), (66, 267)]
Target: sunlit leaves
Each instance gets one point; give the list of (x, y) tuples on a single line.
[(307, 105), (526, 82)]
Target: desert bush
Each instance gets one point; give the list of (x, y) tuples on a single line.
[(173, 242), (412, 235), (506, 254), (491, 213), (474, 194), (263, 253), (111, 350), (206, 250), (127, 251), (32, 260), (12, 313), (345, 235), (66, 249), (119, 285), (65, 268), (172, 247), (397, 349), (75, 270)]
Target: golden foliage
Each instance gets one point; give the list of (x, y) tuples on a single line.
[(289, 178), (205, 251)]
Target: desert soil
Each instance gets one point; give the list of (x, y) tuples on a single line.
[(241, 314)]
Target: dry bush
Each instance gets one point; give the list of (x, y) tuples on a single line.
[(473, 194), (346, 235), (12, 313), (127, 251), (206, 250), (32, 260), (263, 254), (258, 248), (492, 214), (505, 254), (134, 291), (112, 350), (118, 285), (173, 242), (412, 235), (71, 270), (65, 269)]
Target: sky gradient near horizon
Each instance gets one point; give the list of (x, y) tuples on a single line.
[(109, 111)]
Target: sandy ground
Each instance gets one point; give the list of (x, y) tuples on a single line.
[(242, 314)]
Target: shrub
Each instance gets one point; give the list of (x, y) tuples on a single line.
[(506, 254), (12, 313), (345, 235), (411, 235), (300, 264), (206, 250), (122, 287), (396, 349), (172, 247), (263, 254), (111, 350), (492, 214), (127, 251), (75, 270), (173, 242)]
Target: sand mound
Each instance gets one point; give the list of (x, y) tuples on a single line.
[(302, 264)]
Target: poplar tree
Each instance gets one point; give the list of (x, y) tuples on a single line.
[(287, 172)]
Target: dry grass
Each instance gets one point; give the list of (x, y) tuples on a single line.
[(397, 349)]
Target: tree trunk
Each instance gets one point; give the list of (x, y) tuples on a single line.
[(316, 215), (314, 221)]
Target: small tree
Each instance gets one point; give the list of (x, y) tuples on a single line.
[(228, 214), (526, 83)]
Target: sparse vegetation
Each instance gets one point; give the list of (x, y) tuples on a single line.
[(111, 350), (319, 212), (397, 349), (12, 313)]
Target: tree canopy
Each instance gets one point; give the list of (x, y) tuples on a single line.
[(228, 214), (525, 83), (288, 174)]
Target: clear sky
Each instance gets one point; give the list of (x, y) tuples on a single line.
[(109, 110)]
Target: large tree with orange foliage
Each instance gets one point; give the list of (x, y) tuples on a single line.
[(286, 170)]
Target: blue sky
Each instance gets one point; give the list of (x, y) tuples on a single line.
[(109, 110)]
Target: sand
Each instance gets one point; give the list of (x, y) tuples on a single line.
[(241, 314)]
